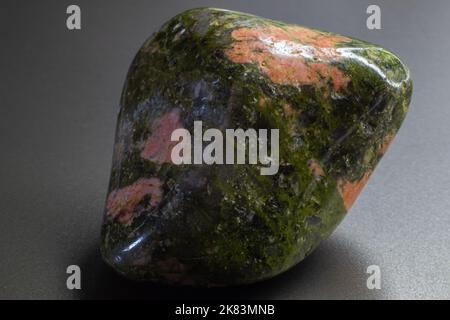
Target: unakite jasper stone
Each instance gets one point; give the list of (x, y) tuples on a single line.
[(337, 102)]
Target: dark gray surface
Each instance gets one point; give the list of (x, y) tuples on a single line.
[(58, 100)]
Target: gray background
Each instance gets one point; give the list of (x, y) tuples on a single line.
[(58, 101)]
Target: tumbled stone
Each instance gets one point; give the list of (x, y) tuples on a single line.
[(337, 103)]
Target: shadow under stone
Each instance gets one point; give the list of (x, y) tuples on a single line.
[(335, 270)]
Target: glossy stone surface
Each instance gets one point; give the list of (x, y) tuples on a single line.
[(338, 103)]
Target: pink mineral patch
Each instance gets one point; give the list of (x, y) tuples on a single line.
[(158, 146), (351, 190), (290, 55), (121, 203)]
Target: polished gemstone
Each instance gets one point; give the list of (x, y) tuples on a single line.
[(336, 104)]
